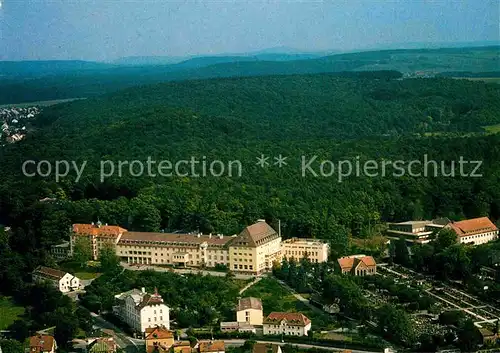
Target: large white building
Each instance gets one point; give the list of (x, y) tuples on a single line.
[(141, 310), (474, 231), (63, 281), (288, 324), (298, 248)]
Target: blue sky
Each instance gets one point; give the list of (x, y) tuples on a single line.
[(109, 29)]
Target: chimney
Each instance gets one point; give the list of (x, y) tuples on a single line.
[(143, 290), (210, 236)]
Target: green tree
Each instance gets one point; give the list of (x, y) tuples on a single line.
[(108, 259), (402, 254), (82, 251), (445, 239), (11, 346)]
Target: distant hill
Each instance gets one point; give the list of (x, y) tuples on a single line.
[(47, 67), (94, 79)]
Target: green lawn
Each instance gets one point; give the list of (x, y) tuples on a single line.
[(276, 298), (9, 312), (78, 271), (492, 129)]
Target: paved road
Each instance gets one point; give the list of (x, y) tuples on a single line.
[(121, 339), (237, 343)]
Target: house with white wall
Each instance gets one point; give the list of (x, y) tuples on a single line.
[(63, 281)]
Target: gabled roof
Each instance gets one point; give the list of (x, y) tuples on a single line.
[(350, 262), (41, 343), (102, 345), (48, 272), (473, 226), (265, 348), (256, 234), (297, 319), (92, 229), (249, 303), (150, 299), (153, 333), (211, 346)]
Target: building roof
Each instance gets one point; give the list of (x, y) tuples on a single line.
[(158, 333), (211, 346), (48, 272), (173, 238), (265, 348), (249, 303), (41, 343), (473, 226), (305, 241), (256, 234), (102, 344), (97, 229), (349, 262), (297, 319)]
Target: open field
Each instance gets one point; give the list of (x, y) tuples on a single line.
[(492, 129), (9, 312), (40, 103), (277, 298)]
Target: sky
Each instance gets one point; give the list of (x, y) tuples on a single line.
[(105, 30)]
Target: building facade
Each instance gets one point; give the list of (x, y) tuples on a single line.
[(288, 324), (63, 281), (141, 310), (252, 252), (60, 251), (416, 231), (357, 265), (102, 345), (96, 236), (299, 248), (255, 249), (173, 249), (474, 231), (249, 311)]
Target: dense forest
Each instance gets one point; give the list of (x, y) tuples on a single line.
[(334, 118)]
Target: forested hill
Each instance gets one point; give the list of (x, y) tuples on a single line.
[(83, 79), (334, 118)]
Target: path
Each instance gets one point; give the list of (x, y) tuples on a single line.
[(250, 284), (300, 298), (182, 270)]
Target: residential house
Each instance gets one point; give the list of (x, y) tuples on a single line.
[(158, 339), (357, 265), (182, 347), (474, 231), (289, 324), (63, 281), (234, 326), (249, 311), (211, 347), (266, 348), (141, 310), (102, 345), (255, 249), (42, 344), (298, 248)]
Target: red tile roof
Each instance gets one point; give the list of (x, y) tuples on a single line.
[(265, 348), (297, 319), (211, 346), (170, 238), (103, 230), (256, 234), (48, 272), (473, 226), (41, 343), (158, 333), (150, 299), (349, 262)]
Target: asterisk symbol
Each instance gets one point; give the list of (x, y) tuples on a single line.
[(262, 161), (280, 161)]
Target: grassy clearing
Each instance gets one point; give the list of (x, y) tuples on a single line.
[(82, 273), (277, 298), (9, 312), (492, 129)]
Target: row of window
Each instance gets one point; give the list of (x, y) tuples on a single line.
[(243, 267)]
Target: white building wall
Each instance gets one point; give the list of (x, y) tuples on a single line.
[(154, 315)]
